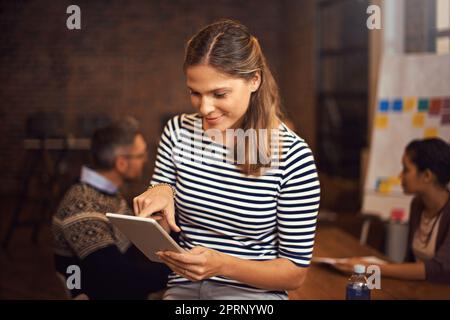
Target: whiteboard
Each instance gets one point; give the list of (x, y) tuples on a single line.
[(413, 101)]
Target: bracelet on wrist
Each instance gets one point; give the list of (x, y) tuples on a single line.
[(163, 184)]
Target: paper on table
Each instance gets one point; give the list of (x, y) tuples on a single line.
[(332, 261)]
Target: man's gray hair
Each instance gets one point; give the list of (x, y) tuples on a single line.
[(108, 140)]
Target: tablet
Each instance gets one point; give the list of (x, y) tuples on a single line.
[(146, 234)]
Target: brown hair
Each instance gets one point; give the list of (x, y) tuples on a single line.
[(229, 47)]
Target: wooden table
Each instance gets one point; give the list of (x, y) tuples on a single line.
[(325, 283)]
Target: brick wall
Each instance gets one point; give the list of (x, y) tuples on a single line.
[(298, 67), (126, 60)]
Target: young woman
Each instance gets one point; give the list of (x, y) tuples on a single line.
[(248, 226), (426, 174)]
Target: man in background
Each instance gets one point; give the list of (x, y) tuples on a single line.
[(111, 268)]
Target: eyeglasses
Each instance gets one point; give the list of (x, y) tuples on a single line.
[(143, 155)]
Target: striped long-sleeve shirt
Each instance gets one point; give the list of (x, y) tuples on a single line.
[(250, 217)]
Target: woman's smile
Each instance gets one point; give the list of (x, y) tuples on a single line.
[(214, 119)]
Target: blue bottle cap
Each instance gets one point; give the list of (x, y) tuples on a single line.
[(359, 268)]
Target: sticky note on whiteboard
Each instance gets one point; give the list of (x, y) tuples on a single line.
[(431, 133), (418, 120), (435, 107), (423, 105), (381, 121), (445, 120), (385, 187), (410, 104), (394, 180)]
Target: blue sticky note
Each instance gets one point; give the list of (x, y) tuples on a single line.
[(397, 105), (377, 184), (383, 106)]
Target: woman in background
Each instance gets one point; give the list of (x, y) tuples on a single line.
[(426, 175)]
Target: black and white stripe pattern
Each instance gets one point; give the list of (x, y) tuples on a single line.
[(258, 218)]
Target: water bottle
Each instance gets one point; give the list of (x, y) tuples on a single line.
[(357, 288)]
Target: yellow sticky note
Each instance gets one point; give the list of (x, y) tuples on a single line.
[(419, 120), (381, 121), (409, 104), (430, 133), (385, 187), (394, 181)]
